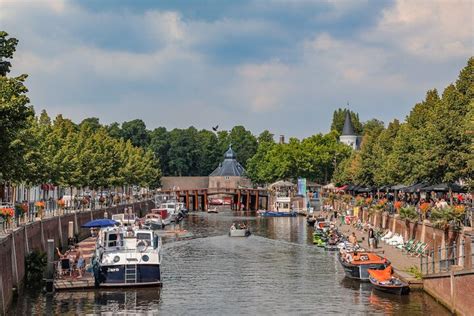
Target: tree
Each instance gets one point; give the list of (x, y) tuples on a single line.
[(136, 132), (15, 114)]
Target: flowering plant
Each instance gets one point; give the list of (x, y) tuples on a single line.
[(359, 201), (424, 207), (368, 201), (61, 203), (398, 205), (24, 207), (459, 209), (40, 204), (7, 213)]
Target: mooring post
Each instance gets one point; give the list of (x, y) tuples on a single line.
[(70, 233), (50, 267)]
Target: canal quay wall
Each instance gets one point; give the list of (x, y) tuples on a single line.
[(452, 288), (34, 236)]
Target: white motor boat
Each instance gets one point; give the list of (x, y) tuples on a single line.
[(127, 257), (239, 232)]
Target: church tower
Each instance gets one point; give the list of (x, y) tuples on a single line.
[(348, 135)]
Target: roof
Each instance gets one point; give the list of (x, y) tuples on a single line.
[(230, 167), (282, 183), (348, 128)]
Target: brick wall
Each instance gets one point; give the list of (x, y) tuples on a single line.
[(461, 301), (184, 183)]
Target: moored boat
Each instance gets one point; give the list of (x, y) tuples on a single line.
[(276, 213), (239, 232), (212, 210), (356, 263), (383, 280), (127, 257)]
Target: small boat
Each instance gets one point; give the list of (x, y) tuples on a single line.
[(153, 221), (212, 210), (383, 280), (311, 221), (276, 214), (356, 263), (239, 232)]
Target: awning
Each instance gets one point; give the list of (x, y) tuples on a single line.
[(444, 187)]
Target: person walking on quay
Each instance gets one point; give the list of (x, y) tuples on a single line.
[(371, 238)]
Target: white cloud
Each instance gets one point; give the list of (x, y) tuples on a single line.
[(428, 29)]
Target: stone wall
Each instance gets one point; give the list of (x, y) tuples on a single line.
[(452, 290), (184, 183), (34, 236)]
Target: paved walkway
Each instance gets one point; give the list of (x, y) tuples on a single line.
[(400, 261)]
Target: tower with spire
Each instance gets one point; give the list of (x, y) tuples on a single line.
[(348, 136)]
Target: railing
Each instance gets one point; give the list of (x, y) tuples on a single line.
[(52, 209), (443, 259)]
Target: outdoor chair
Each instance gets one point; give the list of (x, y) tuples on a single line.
[(416, 249), (388, 235), (421, 250), (396, 241), (392, 240), (65, 267), (407, 245)]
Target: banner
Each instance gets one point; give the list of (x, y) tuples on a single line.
[(302, 186)]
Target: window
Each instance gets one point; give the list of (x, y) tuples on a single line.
[(227, 177)]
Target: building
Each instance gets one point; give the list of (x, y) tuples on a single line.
[(229, 174), (348, 136)]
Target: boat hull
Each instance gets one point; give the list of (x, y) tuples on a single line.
[(114, 275), (402, 289), (278, 214), (359, 271), (239, 233)]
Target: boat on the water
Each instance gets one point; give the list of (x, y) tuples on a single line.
[(383, 280), (127, 257), (356, 263), (245, 232), (212, 210), (153, 221), (276, 213)]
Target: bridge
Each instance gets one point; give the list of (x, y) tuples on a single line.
[(242, 198)]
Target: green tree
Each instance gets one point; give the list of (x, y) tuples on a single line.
[(136, 132)]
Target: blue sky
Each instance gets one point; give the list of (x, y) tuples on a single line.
[(281, 65)]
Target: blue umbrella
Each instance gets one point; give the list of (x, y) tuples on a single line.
[(104, 222)]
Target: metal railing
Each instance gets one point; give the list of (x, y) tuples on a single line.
[(443, 259), (51, 209)]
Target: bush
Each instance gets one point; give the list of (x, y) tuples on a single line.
[(35, 264)]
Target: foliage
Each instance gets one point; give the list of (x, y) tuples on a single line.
[(408, 213), (435, 144), (443, 217), (415, 271), (424, 207), (35, 264)]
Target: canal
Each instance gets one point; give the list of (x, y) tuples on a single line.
[(275, 271)]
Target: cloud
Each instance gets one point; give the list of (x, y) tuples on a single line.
[(428, 29), (255, 64)]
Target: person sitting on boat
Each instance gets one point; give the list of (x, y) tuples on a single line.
[(242, 226), (233, 226), (353, 239)]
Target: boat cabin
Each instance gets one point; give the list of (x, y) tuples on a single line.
[(125, 219)]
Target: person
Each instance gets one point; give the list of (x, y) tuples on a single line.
[(81, 263), (233, 226), (371, 238), (353, 239)]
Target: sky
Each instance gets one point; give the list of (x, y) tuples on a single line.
[(281, 65)]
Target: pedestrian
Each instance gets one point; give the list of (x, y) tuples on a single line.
[(371, 238), (353, 239)]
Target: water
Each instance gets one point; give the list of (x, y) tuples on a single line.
[(275, 271)]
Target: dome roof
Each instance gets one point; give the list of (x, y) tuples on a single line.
[(230, 167)]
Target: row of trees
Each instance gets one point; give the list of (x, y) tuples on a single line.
[(36, 150), (434, 144)]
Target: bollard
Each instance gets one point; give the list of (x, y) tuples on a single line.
[(50, 267)]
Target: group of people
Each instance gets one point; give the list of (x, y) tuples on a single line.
[(238, 226), (71, 262)]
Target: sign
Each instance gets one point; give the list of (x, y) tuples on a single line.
[(302, 186)]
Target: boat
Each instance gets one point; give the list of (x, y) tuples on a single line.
[(383, 280), (212, 210), (357, 262), (153, 221), (125, 219), (311, 221), (173, 211), (239, 232), (276, 213), (126, 257)]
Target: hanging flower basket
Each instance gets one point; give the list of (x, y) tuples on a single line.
[(40, 207), (7, 214)]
